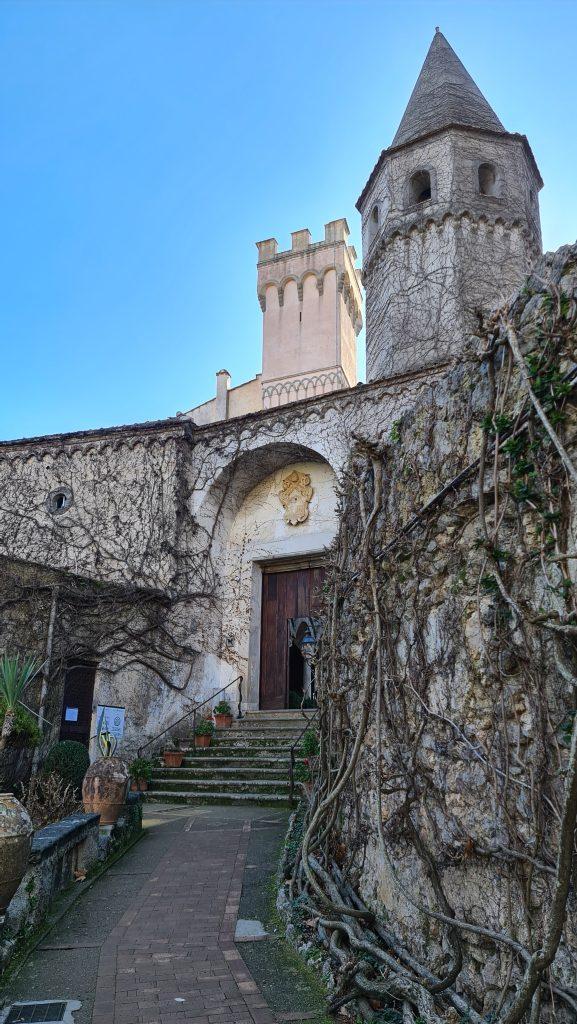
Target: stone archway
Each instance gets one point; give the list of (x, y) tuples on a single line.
[(264, 527)]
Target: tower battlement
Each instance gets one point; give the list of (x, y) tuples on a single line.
[(335, 231), (311, 300)]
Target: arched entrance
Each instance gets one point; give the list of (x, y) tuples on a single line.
[(273, 571)]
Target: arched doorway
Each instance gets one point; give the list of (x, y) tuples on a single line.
[(273, 572)]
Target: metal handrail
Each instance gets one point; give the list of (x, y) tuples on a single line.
[(310, 722), (193, 711)]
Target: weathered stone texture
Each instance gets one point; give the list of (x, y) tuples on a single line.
[(176, 511), (474, 697)]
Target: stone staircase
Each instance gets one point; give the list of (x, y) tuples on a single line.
[(248, 763)]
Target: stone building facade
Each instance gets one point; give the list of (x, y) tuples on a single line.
[(187, 515)]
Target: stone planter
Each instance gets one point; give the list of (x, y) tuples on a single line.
[(15, 838), (202, 741), (104, 788), (173, 758), (223, 721)]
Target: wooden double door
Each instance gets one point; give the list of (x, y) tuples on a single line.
[(285, 595)]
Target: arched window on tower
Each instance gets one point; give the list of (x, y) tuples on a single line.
[(374, 223), (420, 187), (487, 180)]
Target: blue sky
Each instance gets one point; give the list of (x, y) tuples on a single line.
[(145, 145)]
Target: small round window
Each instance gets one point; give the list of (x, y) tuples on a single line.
[(59, 500)]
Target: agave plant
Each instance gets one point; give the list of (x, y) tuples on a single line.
[(15, 674)]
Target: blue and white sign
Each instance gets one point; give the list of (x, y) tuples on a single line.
[(110, 719)]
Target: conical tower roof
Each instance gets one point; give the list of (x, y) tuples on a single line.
[(445, 94)]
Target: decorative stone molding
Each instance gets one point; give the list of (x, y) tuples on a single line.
[(283, 392)]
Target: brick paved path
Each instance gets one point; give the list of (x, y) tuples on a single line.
[(171, 958)]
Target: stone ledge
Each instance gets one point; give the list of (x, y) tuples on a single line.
[(53, 837)]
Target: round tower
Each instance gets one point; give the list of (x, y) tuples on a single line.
[(450, 220)]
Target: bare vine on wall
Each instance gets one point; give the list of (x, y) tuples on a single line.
[(438, 854), (123, 580)]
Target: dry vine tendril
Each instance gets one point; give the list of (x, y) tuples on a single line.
[(447, 689)]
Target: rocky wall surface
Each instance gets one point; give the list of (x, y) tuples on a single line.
[(449, 669)]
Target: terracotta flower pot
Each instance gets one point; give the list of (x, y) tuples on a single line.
[(202, 741), (104, 788), (138, 786), (173, 758), (15, 837), (223, 721)]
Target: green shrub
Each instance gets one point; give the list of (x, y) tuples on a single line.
[(141, 768), (302, 772), (222, 708), (310, 743), (25, 731), (69, 760), (204, 727)]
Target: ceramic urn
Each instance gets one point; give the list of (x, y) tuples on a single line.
[(105, 787), (15, 838)]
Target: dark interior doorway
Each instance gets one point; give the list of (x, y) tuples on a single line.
[(77, 702), (285, 597)]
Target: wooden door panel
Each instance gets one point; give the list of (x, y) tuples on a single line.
[(77, 703), (285, 595)]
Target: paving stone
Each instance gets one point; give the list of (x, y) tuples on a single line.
[(161, 926)]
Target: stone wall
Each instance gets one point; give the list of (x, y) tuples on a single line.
[(58, 852), (120, 523), (449, 670), (144, 563)]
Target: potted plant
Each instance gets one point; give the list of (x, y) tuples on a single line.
[(106, 782), (15, 675), (203, 732), (140, 774), (223, 715), (173, 756)]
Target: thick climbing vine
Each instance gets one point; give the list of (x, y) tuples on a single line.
[(438, 855)]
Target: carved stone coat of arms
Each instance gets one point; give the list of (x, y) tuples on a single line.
[(295, 495)]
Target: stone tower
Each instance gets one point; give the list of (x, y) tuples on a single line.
[(450, 220), (311, 300)]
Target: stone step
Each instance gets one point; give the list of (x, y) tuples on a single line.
[(249, 762), (224, 785), (216, 797), (250, 745), (194, 773), (244, 735), (280, 714), (268, 726), (214, 760), (258, 735)]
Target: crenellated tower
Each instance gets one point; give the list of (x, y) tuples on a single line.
[(450, 220), (311, 300)]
